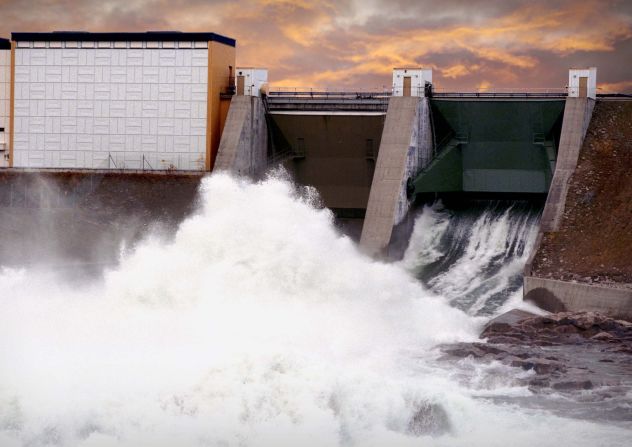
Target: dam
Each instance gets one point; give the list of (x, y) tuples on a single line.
[(148, 302), (161, 103)]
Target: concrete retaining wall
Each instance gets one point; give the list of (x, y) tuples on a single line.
[(85, 218), (244, 144), (405, 148), (560, 296)]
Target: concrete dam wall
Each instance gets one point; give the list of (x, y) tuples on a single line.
[(83, 218), (363, 163), (494, 146), (333, 152), (367, 161)]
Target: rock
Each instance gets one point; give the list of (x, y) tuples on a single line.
[(477, 350), (567, 351), (505, 322), (562, 327), (574, 385), (603, 336), (429, 419)]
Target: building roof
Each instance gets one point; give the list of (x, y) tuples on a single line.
[(5, 44), (148, 36)]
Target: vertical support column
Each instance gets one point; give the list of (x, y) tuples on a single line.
[(12, 105), (406, 137), (209, 110)]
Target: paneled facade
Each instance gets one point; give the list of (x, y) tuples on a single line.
[(112, 102)]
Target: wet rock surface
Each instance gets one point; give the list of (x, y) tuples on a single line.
[(582, 358), (429, 419)]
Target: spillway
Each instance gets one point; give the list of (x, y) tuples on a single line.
[(473, 253), (258, 324)]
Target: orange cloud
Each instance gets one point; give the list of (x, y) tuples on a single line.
[(455, 71), (346, 42), (615, 87)]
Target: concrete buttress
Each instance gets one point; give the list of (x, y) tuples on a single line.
[(406, 147), (244, 144), (577, 114)]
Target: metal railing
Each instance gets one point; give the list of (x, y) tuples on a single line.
[(329, 93), (489, 92), (232, 87), (385, 93), (155, 161)]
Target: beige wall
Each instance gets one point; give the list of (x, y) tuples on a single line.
[(5, 105), (220, 58), (224, 105)]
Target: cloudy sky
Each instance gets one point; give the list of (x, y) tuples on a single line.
[(356, 43)]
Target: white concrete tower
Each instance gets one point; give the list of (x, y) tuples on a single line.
[(582, 82), (251, 81), (411, 81)]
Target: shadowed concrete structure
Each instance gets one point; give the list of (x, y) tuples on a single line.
[(332, 151), (493, 145), (244, 145), (74, 220)]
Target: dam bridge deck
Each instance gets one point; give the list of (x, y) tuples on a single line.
[(311, 100)]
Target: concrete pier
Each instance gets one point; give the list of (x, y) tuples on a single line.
[(244, 144), (406, 147)]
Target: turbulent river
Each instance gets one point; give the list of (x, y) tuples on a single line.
[(258, 324)]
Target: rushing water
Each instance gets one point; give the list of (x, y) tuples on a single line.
[(473, 254), (257, 325)]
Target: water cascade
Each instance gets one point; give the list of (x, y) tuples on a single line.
[(257, 325), (473, 254)]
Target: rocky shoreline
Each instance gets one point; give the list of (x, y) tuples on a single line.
[(567, 353)]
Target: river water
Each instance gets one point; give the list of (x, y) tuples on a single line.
[(258, 324)]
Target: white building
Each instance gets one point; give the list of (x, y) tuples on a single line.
[(411, 81), (118, 100), (5, 100), (251, 81), (582, 82)]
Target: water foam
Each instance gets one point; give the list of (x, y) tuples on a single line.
[(474, 257), (258, 325)]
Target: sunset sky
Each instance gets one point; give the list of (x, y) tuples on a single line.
[(356, 43)]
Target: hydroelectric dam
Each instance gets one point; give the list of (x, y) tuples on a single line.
[(189, 256), (91, 114)]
